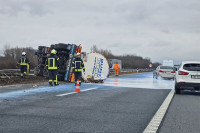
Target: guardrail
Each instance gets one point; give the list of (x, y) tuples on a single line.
[(9, 70), (133, 70), (8, 73), (12, 71), (136, 70)]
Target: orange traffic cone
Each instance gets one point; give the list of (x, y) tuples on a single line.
[(77, 86)]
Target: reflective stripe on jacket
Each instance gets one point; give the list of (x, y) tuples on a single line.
[(52, 62), (78, 65), (23, 60)]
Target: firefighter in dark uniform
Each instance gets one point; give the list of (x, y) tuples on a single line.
[(78, 66), (52, 64), (23, 62)]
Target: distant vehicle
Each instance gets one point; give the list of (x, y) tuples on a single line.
[(188, 76), (167, 72), (176, 67), (112, 62), (168, 63)]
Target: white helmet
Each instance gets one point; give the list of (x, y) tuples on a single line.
[(23, 53)]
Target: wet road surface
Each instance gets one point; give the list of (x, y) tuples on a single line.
[(121, 104)]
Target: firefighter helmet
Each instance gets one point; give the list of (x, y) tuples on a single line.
[(78, 54), (23, 53), (53, 51)]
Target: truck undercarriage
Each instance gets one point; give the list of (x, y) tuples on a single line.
[(65, 52)]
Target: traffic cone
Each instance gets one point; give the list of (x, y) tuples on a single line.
[(77, 86)]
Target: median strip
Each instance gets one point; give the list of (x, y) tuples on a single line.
[(70, 93), (158, 117)]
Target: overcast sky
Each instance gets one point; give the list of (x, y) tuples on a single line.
[(158, 29)]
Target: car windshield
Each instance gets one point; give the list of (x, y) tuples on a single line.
[(192, 67), (166, 67)]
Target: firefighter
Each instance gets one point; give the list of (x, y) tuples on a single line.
[(78, 66), (52, 65), (116, 67), (23, 62)]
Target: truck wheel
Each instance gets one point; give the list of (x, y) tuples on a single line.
[(39, 52), (36, 71), (62, 72), (69, 46), (52, 46), (61, 46), (60, 77), (101, 81), (63, 53), (177, 89), (40, 47)]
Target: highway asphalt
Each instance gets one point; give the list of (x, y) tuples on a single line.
[(124, 104), (183, 115)]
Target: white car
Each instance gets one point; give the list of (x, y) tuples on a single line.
[(188, 76), (166, 72)]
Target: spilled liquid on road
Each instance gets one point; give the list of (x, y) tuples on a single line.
[(140, 80)]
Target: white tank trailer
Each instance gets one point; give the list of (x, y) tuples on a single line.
[(96, 68)]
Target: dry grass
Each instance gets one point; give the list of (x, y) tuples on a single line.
[(19, 80)]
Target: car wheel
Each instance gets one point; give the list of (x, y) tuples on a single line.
[(177, 89)]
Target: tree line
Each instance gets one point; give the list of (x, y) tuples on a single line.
[(11, 56), (129, 61)]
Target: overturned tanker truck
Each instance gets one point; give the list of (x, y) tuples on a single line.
[(65, 52), (96, 65)]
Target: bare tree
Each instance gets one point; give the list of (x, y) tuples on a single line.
[(128, 61), (11, 56), (107, 53)]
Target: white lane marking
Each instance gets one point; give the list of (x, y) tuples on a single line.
[(89, 89), (158, 117), (65, 94)]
